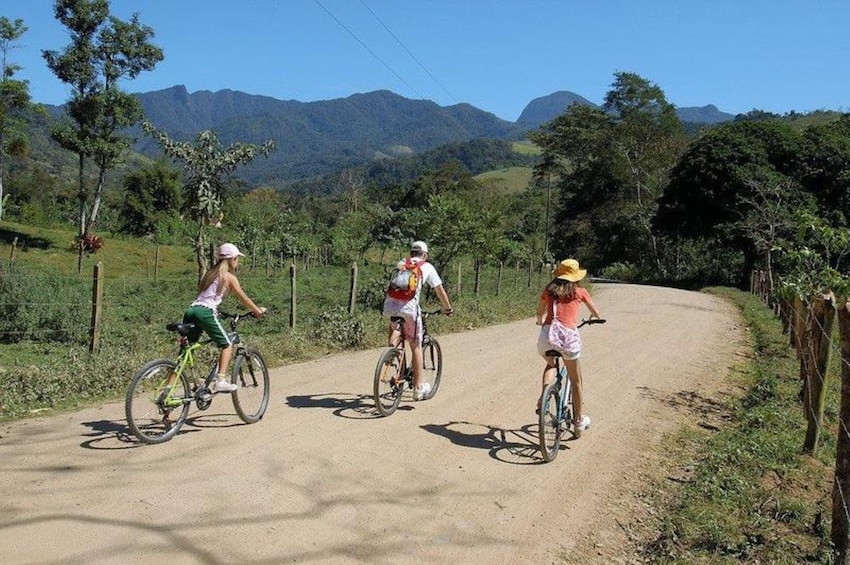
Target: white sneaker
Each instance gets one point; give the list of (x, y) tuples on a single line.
[(422, 391), (222, 385), (584, 423)]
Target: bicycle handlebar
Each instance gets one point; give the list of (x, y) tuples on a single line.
[(592, 321)]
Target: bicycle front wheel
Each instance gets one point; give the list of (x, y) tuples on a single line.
[(389, 381), (157, 402), (551, 427), (432, 359), (251, 375)]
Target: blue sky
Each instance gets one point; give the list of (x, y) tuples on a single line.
[(498, 55)]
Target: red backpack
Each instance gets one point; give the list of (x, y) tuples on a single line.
[(405, 280)]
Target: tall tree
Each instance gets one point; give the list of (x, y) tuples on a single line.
[(103, 51), (205, 164), (14, 94), (612, 164)]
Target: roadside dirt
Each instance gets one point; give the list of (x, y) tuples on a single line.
[(322, 479)]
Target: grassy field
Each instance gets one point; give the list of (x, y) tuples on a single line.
[(512, 179)]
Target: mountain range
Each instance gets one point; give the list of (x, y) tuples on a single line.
[(316, 138)]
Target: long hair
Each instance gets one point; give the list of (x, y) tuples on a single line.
[(217, 271), (561, 290)]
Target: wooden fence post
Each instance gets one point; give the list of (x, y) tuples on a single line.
[(156, 264), (499, 279), (96, 308), (459, 269), (530, 268), (841, 485), (477, 286), (292, 301), (352, 292), (816, 351), (12, 251)]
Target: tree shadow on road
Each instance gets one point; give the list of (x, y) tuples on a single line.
[(515, 446)]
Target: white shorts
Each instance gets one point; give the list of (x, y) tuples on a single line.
[(543, 346)]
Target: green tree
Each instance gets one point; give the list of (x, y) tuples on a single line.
[(103, 51), (724, 177), (14, 94), (151, 194), (612, 164), (206, 164)]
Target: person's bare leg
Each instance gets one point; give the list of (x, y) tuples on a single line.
[(224, 359), (574, 372), (548, 376), (416, 359)]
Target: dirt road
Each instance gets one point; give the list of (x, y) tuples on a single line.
[(321, 479)]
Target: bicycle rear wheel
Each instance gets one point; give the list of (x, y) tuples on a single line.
[(432, 358), (551, 426), (389, 381), (251, 375), (155, 413)]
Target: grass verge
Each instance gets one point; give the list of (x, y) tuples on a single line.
[(743, 492)]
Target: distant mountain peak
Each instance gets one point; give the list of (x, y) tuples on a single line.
[(543, 109)]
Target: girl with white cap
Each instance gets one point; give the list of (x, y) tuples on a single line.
[(203, 312)]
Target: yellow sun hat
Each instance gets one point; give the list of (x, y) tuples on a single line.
[(568, 270)]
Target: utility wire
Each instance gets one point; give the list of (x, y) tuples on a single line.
[(412, 56), (375, 55)]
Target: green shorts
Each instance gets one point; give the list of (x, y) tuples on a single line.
[(205, 320)]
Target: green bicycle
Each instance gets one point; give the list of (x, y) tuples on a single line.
[(162, 391)]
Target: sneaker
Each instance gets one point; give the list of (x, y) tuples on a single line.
[(222, 385), (422, 391), (584, 423)]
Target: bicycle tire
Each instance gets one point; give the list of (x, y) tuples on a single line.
[(149, 410), (432, 371), (550, 428), (251, 375), (389, 381)]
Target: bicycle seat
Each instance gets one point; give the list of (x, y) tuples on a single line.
[(179, 327), (396, 319), (553, 353)]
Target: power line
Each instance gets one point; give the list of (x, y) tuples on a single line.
[(375, 55), (412, 56)]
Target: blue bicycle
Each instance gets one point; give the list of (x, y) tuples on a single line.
[(556, 407)]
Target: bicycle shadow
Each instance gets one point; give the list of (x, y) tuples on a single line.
[(103, 430), (344, 405), (514, 446)]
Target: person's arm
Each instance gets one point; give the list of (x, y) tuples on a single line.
[(594, 313), (444, 299), (233, 284), (541, 310)]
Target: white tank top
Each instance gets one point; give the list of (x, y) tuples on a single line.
[(210, 296)]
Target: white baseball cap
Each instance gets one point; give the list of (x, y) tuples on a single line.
[(419, 246), (228, 250)]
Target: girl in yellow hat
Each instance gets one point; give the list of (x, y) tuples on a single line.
[(560, 303)]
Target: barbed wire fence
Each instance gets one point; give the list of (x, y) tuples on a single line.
[(810, 323)]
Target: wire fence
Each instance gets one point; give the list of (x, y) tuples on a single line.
[(810, 323), (105, 309)]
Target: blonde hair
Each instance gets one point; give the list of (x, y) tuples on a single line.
[(217, 271), (560, 289)]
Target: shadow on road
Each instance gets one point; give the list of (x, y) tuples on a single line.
[(343, 404), (515, 446)]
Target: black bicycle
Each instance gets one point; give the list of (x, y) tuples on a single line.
[(556, 406), (162, 391), (394, 373)]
